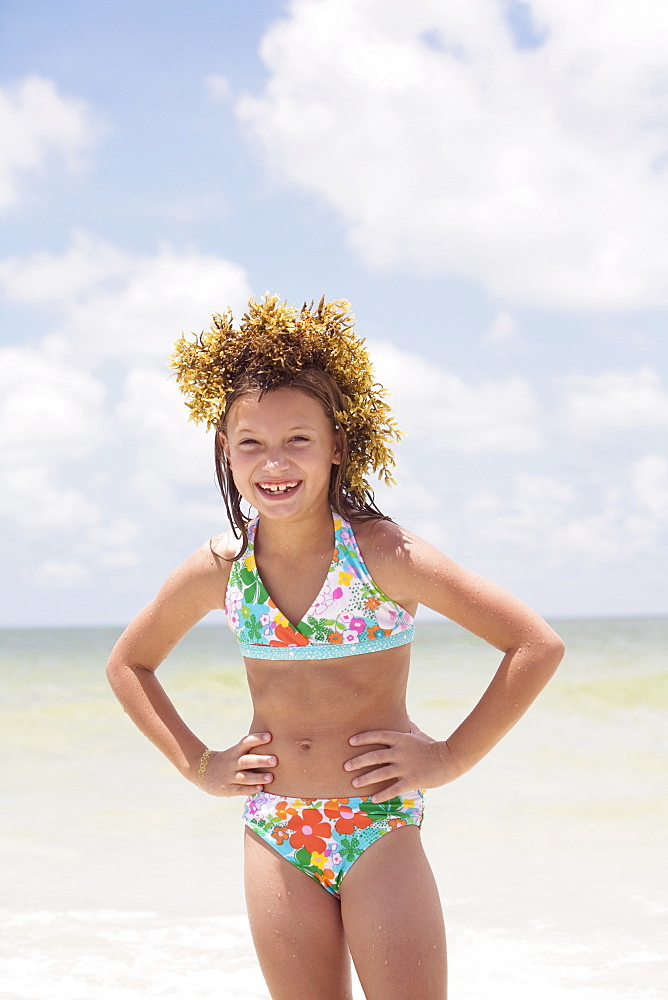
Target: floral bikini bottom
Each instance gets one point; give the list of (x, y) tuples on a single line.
[(323, 837)]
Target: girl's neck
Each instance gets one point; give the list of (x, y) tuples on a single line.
[(307, 533)]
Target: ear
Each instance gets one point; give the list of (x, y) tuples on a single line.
[(225, 445), (338, 451)]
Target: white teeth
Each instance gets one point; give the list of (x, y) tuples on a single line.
[(277, 487)]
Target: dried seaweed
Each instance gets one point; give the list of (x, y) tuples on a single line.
[(272, 343)]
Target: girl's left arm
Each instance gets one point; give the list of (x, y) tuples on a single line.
[(409, 571)]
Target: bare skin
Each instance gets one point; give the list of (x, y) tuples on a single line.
[(332, 727)]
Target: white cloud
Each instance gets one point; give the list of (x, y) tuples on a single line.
[(191, 208), (32, 496), (549, 519), (82, 270), (502, 329), (173, 452), (535, 503), (49, 411), (153, 410), (218, 87), (119, 305), (541, 172), (55, 416), (436, 407), (163, 296), (111, 545), (50, 414), (36, 122), (410, 502), (613, 401), (56, 575), (649, 481)]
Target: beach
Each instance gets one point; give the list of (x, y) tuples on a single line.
[(121, 880)]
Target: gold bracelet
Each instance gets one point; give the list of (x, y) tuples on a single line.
[(203, 761)]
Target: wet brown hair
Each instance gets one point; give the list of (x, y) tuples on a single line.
[(320, 386)]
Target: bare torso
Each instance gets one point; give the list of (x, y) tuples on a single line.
[(312, 708)]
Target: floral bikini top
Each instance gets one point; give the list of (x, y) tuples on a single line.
[(351, 614)]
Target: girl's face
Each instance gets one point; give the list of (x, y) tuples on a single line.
[(281, 448)]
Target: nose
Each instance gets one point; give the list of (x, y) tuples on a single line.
[(275, 460)]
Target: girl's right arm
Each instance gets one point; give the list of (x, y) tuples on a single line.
[(194, 589)]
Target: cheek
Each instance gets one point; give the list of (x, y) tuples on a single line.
[(240, 479), (238, 463)]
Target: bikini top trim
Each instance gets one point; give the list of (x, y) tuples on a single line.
[(350, 615)]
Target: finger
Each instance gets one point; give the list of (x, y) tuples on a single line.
[(370, 759), (254, 740), (373, 777), (250, 778), (388, 793), (245, 789), (249, 760), (376, 736)]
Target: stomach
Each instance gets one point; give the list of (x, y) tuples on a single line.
[(312, 708)]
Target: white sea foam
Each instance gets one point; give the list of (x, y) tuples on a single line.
[(86, 955)]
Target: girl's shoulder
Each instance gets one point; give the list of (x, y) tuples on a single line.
[(225, 546), (380, 534), (193, 589), (408, 568), (202, 576), (386, 539), (387, 549)]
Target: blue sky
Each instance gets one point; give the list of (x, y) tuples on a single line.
[(485, 182)]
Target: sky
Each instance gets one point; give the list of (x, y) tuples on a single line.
[(486, 183)]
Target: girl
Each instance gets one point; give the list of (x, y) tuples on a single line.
[(321, 589)]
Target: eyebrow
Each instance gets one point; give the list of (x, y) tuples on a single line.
[(291, 430)]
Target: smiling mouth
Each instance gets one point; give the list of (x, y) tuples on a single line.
[(279, 489)]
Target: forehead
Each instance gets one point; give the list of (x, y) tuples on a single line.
[(279, 407)]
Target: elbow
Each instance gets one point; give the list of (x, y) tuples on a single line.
[(117, 672), (122, 672), (113, 673), (554, 649), (542, 651)]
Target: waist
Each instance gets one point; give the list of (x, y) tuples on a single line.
[(310, 763)]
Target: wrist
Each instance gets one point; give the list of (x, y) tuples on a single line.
[(201, 767), (190, 766), (453, 766)]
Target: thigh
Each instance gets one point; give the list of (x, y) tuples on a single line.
[(393, 920), (296, 927)]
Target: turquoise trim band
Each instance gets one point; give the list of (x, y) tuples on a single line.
[(325, 651)]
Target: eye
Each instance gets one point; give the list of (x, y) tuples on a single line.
[(247, 441), (299, 438)]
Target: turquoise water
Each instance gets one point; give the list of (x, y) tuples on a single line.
[(121, 880)]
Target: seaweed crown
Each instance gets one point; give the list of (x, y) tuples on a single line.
[(273, 343)]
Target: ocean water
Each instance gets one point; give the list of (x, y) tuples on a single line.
[(120, 880)]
